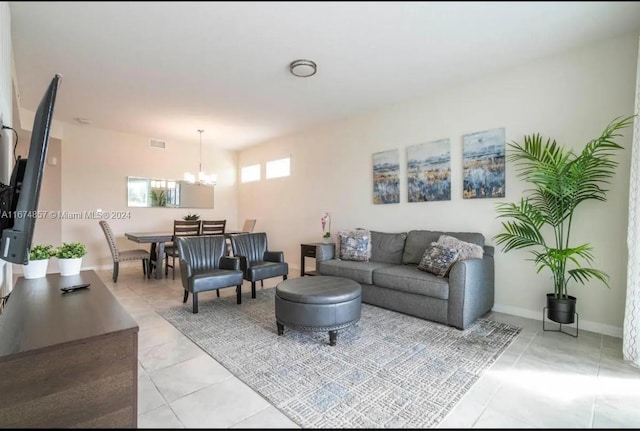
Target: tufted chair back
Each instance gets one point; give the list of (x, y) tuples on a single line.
[(201, 252), (250, 245)]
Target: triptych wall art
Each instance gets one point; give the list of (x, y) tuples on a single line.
[(483, 164), (386, 177), (429, 169)]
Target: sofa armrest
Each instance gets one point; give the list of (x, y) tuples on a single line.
[(325, 252), (471, 290), (489, 250)]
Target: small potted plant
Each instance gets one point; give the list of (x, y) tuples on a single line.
[(191, 217), (39, 256), (70, 257), (325, 221)]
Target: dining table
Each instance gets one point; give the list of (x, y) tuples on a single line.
[(158, 241)]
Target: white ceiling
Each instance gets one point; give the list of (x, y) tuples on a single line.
[(165, 69)]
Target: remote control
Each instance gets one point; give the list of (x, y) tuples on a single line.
[(76, 287)]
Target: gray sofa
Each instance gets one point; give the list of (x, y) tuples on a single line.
[(390, 279)]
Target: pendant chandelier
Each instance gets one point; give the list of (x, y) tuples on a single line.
[(203, 178)]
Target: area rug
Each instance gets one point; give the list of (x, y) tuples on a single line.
[(389, 370)]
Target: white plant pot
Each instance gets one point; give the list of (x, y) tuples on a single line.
[(36, 269), (70, 266)]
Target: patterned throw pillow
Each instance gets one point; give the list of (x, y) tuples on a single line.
[(466, 250), (438, 260), (355, 245)]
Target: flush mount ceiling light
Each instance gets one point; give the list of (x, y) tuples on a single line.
[(302, 68)]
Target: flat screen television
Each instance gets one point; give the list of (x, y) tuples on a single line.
[(19, 199)]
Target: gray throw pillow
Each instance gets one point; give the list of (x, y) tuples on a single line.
[(438, 260), (466, 250)]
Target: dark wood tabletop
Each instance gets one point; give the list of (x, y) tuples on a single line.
[(38, 315), (144, 237)]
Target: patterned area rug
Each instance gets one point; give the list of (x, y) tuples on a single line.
[(389, 370)]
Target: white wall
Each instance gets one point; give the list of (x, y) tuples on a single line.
[(6, 118), (570, 97), (96, 165)]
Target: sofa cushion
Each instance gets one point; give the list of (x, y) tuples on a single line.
[(355, 245), (362, 272), (407, 278), (466, 250), (387, 247), (418, 241), (438, 259)]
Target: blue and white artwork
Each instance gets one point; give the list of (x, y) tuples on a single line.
[(386, 177), (483, 164), (429, 171)]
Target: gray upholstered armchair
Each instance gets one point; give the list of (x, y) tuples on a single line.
[(203, 266), (256, 262)]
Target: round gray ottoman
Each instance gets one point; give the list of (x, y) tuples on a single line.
[(318, 303)]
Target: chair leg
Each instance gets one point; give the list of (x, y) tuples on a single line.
[(195, 302), (144, 266), (166, 266), (253, 289), (218, 293), (115, 271), (239, 294), (186, 296), (173, 267)]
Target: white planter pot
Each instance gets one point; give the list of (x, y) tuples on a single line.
[(36, 269), (70, 266)]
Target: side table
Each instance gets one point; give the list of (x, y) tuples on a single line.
[(308, 250)]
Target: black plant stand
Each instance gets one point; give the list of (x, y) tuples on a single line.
[(544, 310)]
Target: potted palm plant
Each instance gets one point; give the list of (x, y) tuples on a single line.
[(541, 221), (69, 256), (39, 256)]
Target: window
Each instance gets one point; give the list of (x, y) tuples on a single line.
[(250, 173), (279, 168)]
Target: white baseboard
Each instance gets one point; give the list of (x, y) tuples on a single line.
[(588, 325)]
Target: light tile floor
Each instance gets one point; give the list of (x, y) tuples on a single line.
[(543, 380)]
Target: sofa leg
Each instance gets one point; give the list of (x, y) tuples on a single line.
[(253, 289), (261, 283), (280, 328), (239, 294), (218, 293), (186, 296), (284, 277), (195, 302)]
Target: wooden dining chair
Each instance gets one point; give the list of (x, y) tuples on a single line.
[(247, 227), (180, 228), (213, 227)]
